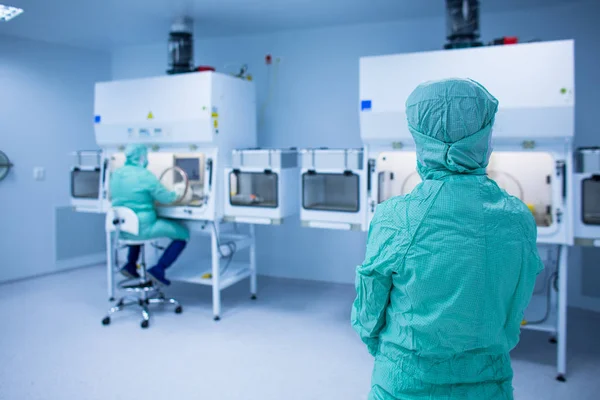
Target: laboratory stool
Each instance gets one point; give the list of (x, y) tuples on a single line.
[(144, 291)]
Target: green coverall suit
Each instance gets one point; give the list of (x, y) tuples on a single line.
[(450, 267)]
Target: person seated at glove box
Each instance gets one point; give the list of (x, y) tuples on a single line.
[(138, 189)]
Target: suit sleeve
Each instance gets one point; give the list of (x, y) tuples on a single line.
[(158, 191), (531, 267), (374, 277)]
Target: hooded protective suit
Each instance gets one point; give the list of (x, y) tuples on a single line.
[(449, 268), (134, 187)]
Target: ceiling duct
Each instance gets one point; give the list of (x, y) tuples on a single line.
[(181, 46), (462, 18)]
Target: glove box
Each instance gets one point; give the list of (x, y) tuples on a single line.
[(587, 197), (261, 186), (333, 189)]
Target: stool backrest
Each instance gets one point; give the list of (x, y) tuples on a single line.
[(122, 219)]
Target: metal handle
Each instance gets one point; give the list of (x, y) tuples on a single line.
[(561, 172), (209, 164), (371, 170), (346, 159), (81, 153), (104, 168)]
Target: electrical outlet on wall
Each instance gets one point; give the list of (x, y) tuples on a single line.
[(39, 173)]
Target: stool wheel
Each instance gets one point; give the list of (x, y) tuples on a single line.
[(106, 321), (178, 310), (145, 324)]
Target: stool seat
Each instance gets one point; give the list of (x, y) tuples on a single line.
[(135, 242)]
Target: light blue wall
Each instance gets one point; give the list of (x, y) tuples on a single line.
[(46, 111), (315, 102)]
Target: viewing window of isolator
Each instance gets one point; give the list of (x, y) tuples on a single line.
[(397, 174), (590, 200), (253, 189), (528, 176), (85, 184), (193, 167), (331, 191)]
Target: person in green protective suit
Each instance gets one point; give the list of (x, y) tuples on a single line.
[(450, 267), (134, 187)]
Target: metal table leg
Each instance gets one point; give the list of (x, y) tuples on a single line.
[(252, 264), (216, 272), (562, 315), (110, 267)]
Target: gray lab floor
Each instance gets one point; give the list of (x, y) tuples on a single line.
[(295, 342)]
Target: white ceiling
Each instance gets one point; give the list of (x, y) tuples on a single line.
[(106, 24)]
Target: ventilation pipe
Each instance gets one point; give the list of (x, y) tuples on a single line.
[(462, 18), (181, 46)]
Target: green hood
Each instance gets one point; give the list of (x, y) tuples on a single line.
[(451, 122), (137, 155)]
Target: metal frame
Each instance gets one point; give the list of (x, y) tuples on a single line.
[(220, 282), (561, 328), (217, 280)]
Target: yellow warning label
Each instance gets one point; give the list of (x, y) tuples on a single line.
[(216, 123), (150, 115), (215, 115)]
